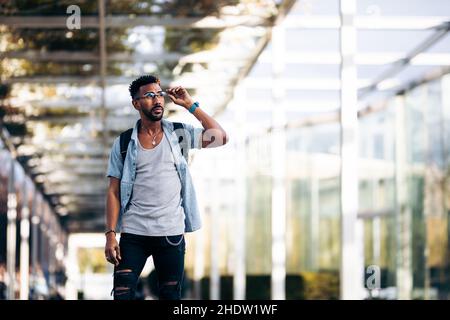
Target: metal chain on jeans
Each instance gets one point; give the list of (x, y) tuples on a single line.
[(175, 244)]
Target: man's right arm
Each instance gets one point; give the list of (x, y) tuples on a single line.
[(112, 203), (112, 250)]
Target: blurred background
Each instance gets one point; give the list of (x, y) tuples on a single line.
[(335, 181)]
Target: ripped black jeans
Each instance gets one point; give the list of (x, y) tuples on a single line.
[(168, 258)]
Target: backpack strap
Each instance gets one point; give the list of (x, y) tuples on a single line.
[(182, 141), (125, 138)]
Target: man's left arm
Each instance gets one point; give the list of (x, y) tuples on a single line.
[(213, 134)]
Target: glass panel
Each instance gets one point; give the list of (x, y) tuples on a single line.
[(313, 212)]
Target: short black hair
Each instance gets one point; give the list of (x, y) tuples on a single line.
[(141, 81)]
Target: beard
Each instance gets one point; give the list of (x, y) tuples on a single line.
[(151, 115)]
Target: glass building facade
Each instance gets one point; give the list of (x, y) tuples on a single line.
[(402, 169)]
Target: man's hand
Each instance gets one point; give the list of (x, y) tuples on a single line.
[(213, 134), (180, 96), (112, 250)]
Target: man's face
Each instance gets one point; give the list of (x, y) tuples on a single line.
[(152, 108)]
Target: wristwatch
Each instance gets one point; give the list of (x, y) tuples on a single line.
[(193, 107)]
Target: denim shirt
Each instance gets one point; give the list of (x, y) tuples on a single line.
[(126, 172)]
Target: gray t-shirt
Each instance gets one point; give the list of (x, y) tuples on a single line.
[(155, 206)]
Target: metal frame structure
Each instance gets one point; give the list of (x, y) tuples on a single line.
[(80, 196)]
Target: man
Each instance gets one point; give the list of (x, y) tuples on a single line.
[(151, 198)]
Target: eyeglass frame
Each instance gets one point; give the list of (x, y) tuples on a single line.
[(151, 95)]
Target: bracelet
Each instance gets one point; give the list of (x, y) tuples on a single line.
[(109, 231), (193, 107)]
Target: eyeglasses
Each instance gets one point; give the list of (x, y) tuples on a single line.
[(151, 95)]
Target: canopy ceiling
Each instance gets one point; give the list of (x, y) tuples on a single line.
[(65, 92)]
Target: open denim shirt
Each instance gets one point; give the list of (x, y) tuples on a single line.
[(126, 171)]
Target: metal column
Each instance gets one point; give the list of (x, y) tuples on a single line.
[(239, 276), (103, 72), (11, 233), (352, 258), (214, 287), (199, 246), (24, 245), (402, 210), (278, 146), (429, 183), (376, 223), (34, 239)]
